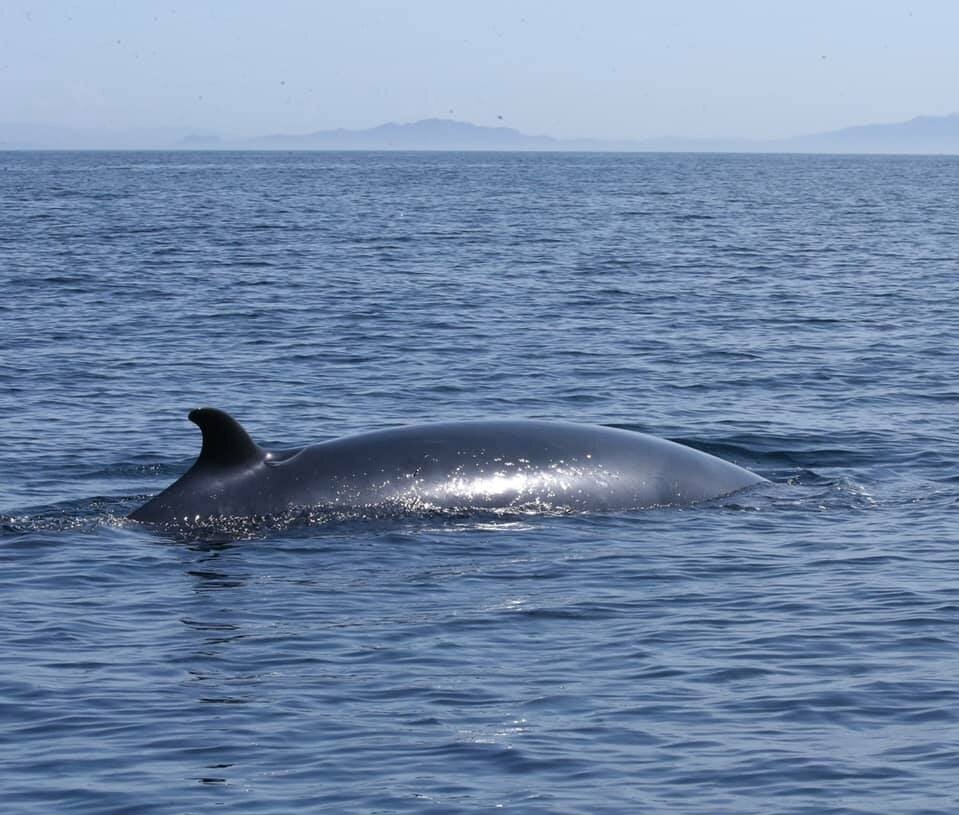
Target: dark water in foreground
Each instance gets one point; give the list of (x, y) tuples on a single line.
[(791, 650)]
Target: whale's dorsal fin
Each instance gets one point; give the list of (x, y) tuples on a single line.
[(225, 442)]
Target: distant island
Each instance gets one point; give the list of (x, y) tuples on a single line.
[(921, 135), (426, 134)]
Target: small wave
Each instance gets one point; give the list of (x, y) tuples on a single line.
[(86, 515)]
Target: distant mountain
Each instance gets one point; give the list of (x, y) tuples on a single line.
[(924, 134), (426, 134), (448, 134)]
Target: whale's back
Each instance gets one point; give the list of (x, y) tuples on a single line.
[(519, 465)]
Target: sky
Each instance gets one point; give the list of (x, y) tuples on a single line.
[(608, 69)]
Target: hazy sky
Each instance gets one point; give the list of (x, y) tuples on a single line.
[(604, 68)]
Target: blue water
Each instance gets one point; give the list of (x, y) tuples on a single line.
[(792, 649)]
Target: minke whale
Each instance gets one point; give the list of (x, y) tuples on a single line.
[(504, 465)]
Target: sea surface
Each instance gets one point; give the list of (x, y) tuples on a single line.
[(789, 649)]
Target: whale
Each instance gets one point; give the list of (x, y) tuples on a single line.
[(504, 465)]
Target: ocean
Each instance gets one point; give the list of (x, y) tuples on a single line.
[(793, 648)]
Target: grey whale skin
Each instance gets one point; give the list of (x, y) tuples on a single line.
[(523, 465)]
